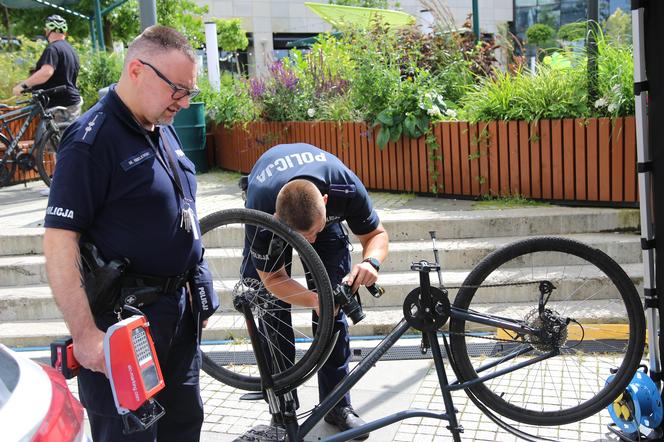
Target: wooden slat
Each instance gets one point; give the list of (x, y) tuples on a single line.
[(557, 158), (465, 162), (617, 160), (534, 139), (504, 159), (604, 159), (592, 150), (426, 165), (408, 166), (398, 164), (446, 145), (483, 139), (545, 145), (393, 166), (456, 158), (524, 160), (580, 162), (494, 159), (474, 152), (569, 173), (514, 158), (438, 132), (385, 161), (631, 188)]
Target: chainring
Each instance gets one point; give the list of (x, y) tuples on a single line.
[(417, 315), (26, 161)]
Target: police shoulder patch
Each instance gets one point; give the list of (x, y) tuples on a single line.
[(89, 129)]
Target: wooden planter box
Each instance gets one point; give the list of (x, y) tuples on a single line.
[(25, 145), (586, 160)]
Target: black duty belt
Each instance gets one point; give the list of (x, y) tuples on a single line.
[(163, 284)]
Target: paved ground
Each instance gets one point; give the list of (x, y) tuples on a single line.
[(390, 387)]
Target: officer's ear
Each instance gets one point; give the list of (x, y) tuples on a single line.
[(325, 199), (135, 69)]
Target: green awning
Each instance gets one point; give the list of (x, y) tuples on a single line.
[(358, 17), (309, 41)]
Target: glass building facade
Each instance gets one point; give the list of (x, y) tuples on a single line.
[(556, 13)]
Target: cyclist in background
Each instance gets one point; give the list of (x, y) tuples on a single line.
[(57, 66)]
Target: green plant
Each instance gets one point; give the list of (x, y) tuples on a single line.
[(618, 27), (573, 31), (539, 34), (506, 202), (231, 37), (615, 77), (98, 70), (231, 105), (16, 64)]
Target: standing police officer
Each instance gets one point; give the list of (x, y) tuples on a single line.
[(124, 184), (312, 191)]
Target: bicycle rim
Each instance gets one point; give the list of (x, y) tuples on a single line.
[(606, 330), (231, 359), (46, 155)]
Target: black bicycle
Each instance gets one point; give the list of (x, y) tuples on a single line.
[(535, 332), (41, 155)]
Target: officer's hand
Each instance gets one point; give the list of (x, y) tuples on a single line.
[(89, 350), (362, 274), (204, 323), (16, 91)]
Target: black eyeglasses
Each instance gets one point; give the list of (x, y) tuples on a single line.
[(178, 92)]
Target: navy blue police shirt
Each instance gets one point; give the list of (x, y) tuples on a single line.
[(347, 197), (110, 187)]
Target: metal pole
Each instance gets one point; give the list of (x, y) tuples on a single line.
[(100, 27), (646, 191), (212, 52), (476, 20), (148, 13)]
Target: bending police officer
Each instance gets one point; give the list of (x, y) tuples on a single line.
[(312, 191)]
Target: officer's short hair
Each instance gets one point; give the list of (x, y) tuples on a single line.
[(156, 40), (299, 204)]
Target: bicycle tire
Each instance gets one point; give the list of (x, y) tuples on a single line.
[(46, 155), (597, 290), (223, 235), (7, 163)]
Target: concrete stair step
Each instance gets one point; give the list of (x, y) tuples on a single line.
[(25, 241), (624, 248), (378, 321), (33, 303)]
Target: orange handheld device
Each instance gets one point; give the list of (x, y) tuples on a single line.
[(133, 370), (62, 358)]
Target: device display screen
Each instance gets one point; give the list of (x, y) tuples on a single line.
[(150, 377)]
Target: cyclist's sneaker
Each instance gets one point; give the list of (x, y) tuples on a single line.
[(45, 192), (345, 418)]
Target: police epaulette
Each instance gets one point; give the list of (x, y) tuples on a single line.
[(88, 130)]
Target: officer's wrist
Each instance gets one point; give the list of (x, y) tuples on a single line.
[(373, 262)]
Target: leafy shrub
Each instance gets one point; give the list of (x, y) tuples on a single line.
[(17, 62), (615, 77), (539, 34), (98, 70), (573, 31), (551, 93), (231, 105)]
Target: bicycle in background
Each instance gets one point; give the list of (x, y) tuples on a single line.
[(41, 156)]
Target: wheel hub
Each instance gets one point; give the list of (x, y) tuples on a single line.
[(250, 291), (552, 330), (25, 161)]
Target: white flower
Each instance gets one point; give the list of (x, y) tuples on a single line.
[(600, 102), (434, 111), (451, 113), (311, 112), (613, 107)]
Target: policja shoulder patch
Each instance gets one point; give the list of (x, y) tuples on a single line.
[(88, 130)]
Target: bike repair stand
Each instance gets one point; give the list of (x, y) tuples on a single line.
[(637, 413)]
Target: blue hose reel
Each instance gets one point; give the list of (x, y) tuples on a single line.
[(639, 405)]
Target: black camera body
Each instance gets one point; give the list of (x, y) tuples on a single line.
[(348, 302)]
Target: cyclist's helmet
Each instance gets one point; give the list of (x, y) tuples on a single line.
[(56, 23)]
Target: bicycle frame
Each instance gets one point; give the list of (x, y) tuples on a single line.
[(297, 432)]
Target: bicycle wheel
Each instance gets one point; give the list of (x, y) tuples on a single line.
[(7, 163), (231, 360), (45, 155), (600, 327)]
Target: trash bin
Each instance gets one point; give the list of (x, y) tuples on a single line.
[(189, 124)]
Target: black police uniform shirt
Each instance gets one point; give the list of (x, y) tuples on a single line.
[(110, 187), (64, 60), (347, 197)]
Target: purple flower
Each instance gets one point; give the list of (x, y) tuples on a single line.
[(282, 76), (256, 88)]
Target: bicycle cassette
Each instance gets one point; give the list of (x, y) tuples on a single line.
[(639, 405), (25, 161)]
